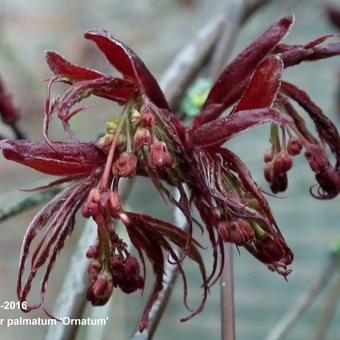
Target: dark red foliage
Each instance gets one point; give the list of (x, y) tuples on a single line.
[(263, 86), (64, 159), (129, 65), (105, 86), (295, 54), (100, 291), (232, 82), (149, 140), (221, 130)]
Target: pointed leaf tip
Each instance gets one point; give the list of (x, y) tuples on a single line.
[(62, 67), (129, 64), (234, 79), (115, 51), (263, 86)]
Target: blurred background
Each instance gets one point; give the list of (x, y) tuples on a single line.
[(157, 30)]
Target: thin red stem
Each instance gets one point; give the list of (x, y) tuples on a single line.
[(108, 165)]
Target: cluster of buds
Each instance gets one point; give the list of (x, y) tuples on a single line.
[(139, 144), (132, 142), (145, 140), (266, 247), (126, 274), (108, 273), (149, 140), (101, 286), (105, 141), (279, 159), (100, 290), (275, 171), (101, 202), (103, 269)]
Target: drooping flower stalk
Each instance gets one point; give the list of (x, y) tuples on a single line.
[(108, 165)]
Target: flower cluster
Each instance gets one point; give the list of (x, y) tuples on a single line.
[(149, 140)]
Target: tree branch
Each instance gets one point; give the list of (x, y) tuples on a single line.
[(328, 310), (224, 47), (227, 296), (26, 203), (294, 314)]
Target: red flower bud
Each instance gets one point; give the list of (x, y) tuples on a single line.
[(283, 163), (118, 270), (159, 156), (92, 252), (148, 119), (90, 209), (125, 165), (131, 284), (271, 250), (276, 174), (110, 200), (268, 173), (141, 138), (268, 156), (294, 146), (94, 269), (100, 291), (279, 182), (132, 266), (126, 274)]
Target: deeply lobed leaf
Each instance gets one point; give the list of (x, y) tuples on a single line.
[(221, 130), (64, 159), (263, 86), (234, 79), (129, 64)]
